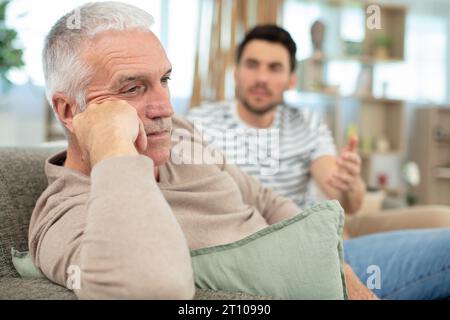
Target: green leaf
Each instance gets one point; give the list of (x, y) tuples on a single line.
[(3, 5), (10, 55)]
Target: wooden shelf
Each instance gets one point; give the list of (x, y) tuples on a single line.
[(382, 119), (368, 155), (442, 173), (393, 24), (364, 98), (368, 98), (362, 59), (432, 157), (319, 94)]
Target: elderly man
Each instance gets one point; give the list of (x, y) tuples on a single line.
[(115, 205), (265, 69)]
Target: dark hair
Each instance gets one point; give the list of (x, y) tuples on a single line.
[(271, 33)]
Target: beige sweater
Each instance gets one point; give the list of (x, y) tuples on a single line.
[(130, 236)]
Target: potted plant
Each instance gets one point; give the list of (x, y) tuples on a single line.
[(383, 44), (10, 54)]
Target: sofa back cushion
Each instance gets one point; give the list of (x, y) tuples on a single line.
[(22, 180)]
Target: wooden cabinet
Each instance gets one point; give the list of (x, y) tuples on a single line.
[(431, 151)]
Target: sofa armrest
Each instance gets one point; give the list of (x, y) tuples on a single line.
[(33, 289)]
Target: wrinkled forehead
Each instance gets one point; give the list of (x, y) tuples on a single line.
[(138, 50)]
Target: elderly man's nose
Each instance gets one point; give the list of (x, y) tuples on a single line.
[(160, 110)]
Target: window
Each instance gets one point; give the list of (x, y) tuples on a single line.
[(422, 78), (33, 20), (298, 18)]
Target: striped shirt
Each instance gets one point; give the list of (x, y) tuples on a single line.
[(279, 156)]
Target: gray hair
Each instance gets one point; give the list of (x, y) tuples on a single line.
[(64, 69)]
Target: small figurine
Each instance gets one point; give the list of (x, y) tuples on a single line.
[(317, 37)]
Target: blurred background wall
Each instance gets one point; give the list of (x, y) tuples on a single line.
[(373, 82)]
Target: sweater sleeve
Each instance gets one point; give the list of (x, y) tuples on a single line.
[(272, 206), (124, 240)]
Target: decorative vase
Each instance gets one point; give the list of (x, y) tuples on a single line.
[(382, 53)]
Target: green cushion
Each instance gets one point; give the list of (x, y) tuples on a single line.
[(24, 264), (299, 258)]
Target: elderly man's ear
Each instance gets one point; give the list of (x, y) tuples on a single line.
[(65, 108)]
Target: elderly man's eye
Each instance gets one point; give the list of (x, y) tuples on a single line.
[(133, 90), (165, 79)]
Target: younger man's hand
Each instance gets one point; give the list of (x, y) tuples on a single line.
[(349, 168)]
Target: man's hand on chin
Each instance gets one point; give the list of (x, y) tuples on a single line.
[(109, 129), (355, 288)]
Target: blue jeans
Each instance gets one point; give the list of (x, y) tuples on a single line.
[(409, 264)]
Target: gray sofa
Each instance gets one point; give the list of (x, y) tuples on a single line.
[(22, 180)]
